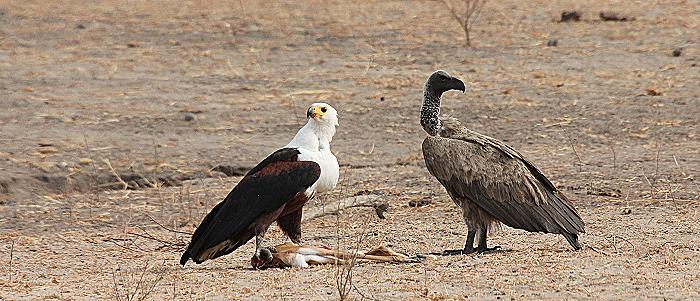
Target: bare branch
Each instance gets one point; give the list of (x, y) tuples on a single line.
[(116, 175), (372, 200), (12, 251), (166, 228), (465, 14)]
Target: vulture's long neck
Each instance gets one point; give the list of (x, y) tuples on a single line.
[(430, 111)]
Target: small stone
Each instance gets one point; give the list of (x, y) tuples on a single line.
[(614, 16), (626, 211), (419, 203), (80, 26), (570, 16), (677, 52), (189, 116), (552, 42)]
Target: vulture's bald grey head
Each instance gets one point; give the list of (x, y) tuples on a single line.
[(437, 83), (440, 82)]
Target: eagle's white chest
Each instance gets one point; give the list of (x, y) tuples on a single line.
[(330, 171)]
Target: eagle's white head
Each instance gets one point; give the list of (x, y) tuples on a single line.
[(322, 113), (319, 129)]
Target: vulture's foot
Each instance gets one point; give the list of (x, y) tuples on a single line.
[(455, 252), (485, 250)]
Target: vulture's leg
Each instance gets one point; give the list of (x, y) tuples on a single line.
[(468, 246), (481, 248)]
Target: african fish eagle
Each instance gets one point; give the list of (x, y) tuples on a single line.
[(274, 190)]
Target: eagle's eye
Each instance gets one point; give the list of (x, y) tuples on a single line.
[(324, 109)]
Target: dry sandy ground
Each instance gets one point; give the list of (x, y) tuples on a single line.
[(609, 115)]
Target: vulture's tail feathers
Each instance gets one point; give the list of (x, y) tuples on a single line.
[(573, 240)]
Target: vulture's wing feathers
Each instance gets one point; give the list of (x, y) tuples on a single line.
[(496, 178), (264, 189)]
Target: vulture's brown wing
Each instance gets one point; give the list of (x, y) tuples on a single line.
[(497, 179)]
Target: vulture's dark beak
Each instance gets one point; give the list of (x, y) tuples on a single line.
[(458, 84)]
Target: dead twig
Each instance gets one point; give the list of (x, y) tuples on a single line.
[(363, 295), (12, 252), (623, 239), (598, 251), (165, 244), (380, 206), (344, 273), (166, 228), (114, 241), (116, 175), (573, 149), (96, 190), (141, 290)]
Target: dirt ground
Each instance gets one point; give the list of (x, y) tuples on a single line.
[(179, 99)]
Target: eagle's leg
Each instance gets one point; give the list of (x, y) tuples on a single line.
[(468, 246), (258, 245), (481, 248), (262, 256)]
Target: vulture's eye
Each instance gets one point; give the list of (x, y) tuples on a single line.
[(324, 109)]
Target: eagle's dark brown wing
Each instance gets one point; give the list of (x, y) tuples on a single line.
[(265, 189)]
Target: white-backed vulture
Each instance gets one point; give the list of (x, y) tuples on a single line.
[(490, 181)]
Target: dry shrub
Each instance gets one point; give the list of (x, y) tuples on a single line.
[(465, 12)]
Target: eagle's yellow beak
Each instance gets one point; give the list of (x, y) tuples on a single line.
[(314, 112)]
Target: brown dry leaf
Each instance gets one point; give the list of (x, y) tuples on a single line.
[(653, 92), (614, 16)]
